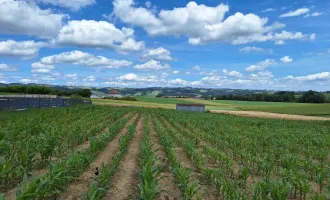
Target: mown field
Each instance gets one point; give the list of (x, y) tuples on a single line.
[(144, 153), (322, 110)]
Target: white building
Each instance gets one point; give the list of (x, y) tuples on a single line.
[(114, 93)]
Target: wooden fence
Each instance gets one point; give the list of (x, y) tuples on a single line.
[(16, 103)]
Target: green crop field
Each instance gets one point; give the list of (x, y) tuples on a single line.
[(97, 152), (161, 100), (322, 110), (281, 107), (297, 109)]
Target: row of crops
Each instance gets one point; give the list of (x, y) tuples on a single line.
[(209, 156)]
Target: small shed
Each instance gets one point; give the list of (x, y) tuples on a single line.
[(191, 107)]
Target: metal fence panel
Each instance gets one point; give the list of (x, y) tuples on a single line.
[(23, 102)]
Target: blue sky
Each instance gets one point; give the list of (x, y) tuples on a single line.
[(251, 44)]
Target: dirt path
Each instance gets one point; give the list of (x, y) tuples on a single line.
[(11, 193), (126, 178), (270, 115), (81, 184), (208, 189), (173, 192)]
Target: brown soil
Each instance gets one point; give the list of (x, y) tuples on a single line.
[(86, 144), (126, 178), (270, 115), (208, 189), (11, 193), (172, 192), (81, 184)]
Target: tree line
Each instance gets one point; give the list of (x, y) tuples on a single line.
[(282, 96), (35, 89)]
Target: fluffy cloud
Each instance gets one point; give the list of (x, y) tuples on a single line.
[(178, 82), (131, 77), (158, 54), (269, 10), (21, 17), (255, 49), (23, 49), (210, 79), (200, 23), (175, 71), (40, 68), (298, 12), (26, 81), (286, 59), (315, 14), (85, 59), (261, 65), (6, 68), (152, 65), (324, 76), (73, 76), (313, 37), (196, 68), (130, 45), (46, 64), (98, 34), (278, 38), (128, 77), (74, 5), (232, 73), (263, 75), (90, 78)]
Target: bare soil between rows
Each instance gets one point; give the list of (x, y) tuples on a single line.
[(126, 180), (171, 191), (81, 185), (268, 115)]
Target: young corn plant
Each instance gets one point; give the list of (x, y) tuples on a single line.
[(189, 189), (149, 188), (48, 186)]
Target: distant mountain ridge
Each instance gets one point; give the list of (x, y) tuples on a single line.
[(158, 91)]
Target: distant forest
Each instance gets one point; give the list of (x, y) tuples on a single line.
[(35, 89), (282, 96)]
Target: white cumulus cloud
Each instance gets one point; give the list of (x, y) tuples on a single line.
[(131, 77), (22, 17), (298, 12), (7, 68), (26, 81), (152, 65), (158, 54), (323, 76), (46, 64), (269, 10), (261, 65), (98, 34), (22, 49), (232, 73), (286, 59), (200, 23), (178, 82), (255, 49)]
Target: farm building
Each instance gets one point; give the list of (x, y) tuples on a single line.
[(190, 107), (114, 93)]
